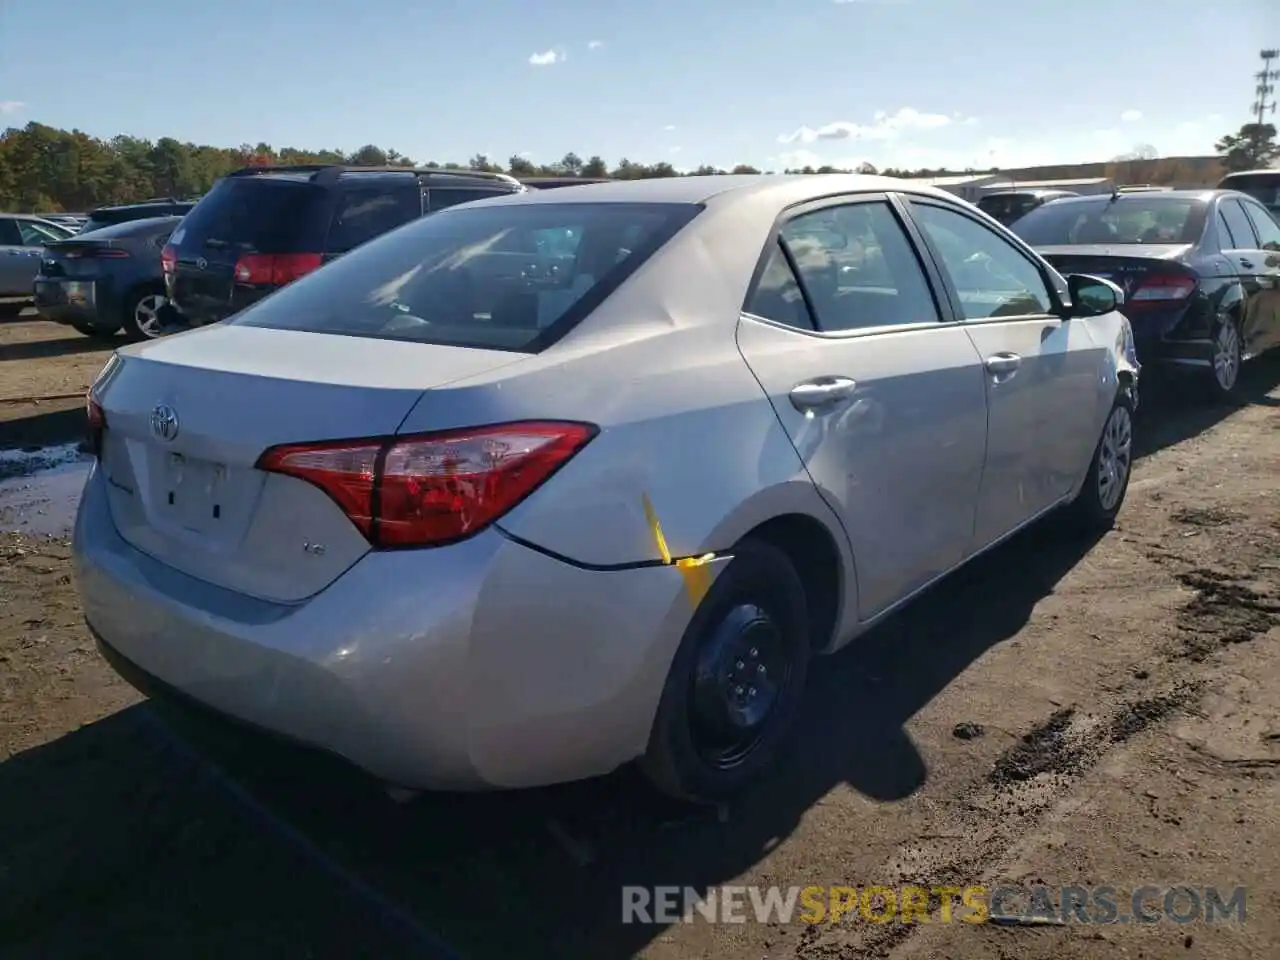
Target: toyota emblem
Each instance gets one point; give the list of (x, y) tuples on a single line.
[(201, 263), (164, 422)]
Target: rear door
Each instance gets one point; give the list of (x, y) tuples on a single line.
[(1041, 370), (1247, 260), (1267, 306), (240, 216), (882, 397)]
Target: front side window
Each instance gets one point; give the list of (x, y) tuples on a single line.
[(37, 234), (9, 234), (992, 277), (472, 277), (1265, 225)]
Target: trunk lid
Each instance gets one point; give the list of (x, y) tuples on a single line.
[(77, 258), (188, 417), (1125, 265)]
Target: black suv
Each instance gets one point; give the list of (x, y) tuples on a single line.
[(263, 227), (142, 210)]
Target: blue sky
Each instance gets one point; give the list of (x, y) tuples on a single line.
[(769, 82)]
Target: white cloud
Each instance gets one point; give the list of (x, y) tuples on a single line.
[(547, 58), (1131, 116), (11, 106), (669, 127), (676, 149), (795, 159), (883, 127), (594, 44)]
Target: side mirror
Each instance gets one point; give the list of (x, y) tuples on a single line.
[(1092, 296)]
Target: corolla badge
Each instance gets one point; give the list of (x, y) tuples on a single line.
[(164, 422)]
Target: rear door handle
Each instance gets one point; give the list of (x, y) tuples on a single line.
[(1003, 364), (821, 392)]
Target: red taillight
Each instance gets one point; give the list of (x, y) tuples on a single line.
[(275, 269), (168, 260), (1163, 289), (95, 426), (432, 489), (95, 253)]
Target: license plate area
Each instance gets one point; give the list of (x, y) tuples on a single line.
[(193, 493)]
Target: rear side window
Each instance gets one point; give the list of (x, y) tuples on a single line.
[(9, 235), (364, 214), (94, 223), (441, 198), (1242, 237), (489, 276), (258, 214)]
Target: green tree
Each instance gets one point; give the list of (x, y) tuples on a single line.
[(1254, 146)]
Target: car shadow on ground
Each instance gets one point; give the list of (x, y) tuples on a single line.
[(1174, 408), (61, 347), (167, 860), (45, 428)]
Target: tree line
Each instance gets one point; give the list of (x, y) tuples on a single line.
[(46, 169)]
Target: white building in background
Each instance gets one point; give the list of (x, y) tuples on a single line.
[(1085, 186), (966, 186)]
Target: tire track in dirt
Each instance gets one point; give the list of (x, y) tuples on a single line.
[(1229, 604)]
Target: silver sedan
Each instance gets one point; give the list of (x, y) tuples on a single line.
[(545, 484)]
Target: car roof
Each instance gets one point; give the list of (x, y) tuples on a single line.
[(786, 189), (1029, 192)]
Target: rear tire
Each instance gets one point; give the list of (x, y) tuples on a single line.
[(1225, 357), (735, 684), (1100, 499), (143, 313)]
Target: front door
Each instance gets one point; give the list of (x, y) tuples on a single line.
[(881, 396), (19, 263), (1041, 370)]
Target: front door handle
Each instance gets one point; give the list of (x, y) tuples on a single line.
[(821, 392), (1003, 364), (1247, 264)]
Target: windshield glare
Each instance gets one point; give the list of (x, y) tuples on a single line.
[(507, 276), (1128, 219)]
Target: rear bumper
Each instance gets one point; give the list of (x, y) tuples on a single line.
[(480, 665), (65, 300)]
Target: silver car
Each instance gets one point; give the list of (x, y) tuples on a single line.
[(544, 484)]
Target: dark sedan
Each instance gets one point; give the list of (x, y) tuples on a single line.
[(101, 281), (1200, 271)]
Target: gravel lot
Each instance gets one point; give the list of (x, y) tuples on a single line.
[(1070, 713)]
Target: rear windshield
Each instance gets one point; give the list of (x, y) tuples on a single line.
[(508, 276), (1263, 187), (265, 215), (1129, 218), (1009, 206)]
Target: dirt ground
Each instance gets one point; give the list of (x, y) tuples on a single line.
[(1060, 712)]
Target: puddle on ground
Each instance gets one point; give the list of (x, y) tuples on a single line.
[(40, 489)]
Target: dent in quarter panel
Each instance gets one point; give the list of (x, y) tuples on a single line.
[(682, 420)]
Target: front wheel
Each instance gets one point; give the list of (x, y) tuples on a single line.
[(734, 687), (1105, 487)]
